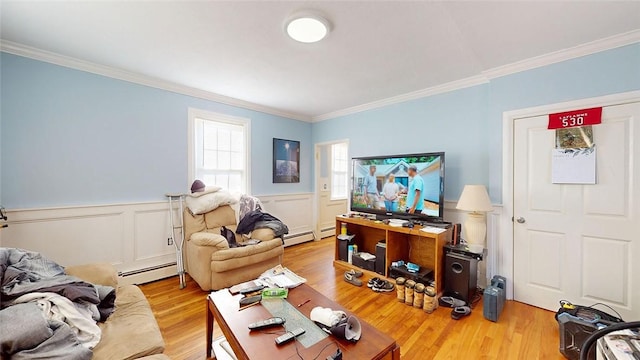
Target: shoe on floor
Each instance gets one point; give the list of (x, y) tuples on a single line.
[(374, 281), (383, 286), (351, 279), (460, 312), (451, 302), (356, 273)]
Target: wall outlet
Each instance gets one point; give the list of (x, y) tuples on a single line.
[(169, 241)]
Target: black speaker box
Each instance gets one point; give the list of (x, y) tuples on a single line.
[(460, 277), (343, 246), (381, 253)]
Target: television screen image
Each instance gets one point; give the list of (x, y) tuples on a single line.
[(381, 184)]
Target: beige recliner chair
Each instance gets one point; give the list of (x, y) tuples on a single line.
[(210, 261)]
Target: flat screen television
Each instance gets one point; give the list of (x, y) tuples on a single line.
[(371, 193)]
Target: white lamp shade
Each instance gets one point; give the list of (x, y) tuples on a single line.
[(474, 198)]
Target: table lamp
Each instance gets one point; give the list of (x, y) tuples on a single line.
[(475, 198)]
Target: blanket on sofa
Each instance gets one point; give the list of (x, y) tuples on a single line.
[(26, 334), (69, 306), (257, 219)]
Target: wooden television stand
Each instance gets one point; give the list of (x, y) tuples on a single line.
[(419, 247)]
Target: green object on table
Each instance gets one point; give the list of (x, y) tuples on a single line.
[(275, 293)]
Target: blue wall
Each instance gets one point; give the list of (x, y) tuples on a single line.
[(69, 137), (467, 123), (74, 138), (453, 122)]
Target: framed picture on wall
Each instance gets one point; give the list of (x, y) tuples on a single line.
[(286, 161)]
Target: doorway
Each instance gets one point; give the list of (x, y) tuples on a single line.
[(332, 185), (576, 242)]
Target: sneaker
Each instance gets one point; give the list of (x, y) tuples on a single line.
[(356, 273), (450, 301), (351, 279), (460, 312), (384, 286), (374, 281)]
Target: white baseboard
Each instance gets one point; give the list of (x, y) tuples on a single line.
[(145, 275), (298, 239), (328, 231)]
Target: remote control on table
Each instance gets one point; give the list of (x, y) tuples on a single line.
[(290, 335), (266, 323), (251, 289), (250, 300)]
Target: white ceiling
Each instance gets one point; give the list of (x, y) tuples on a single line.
[(375, 51)]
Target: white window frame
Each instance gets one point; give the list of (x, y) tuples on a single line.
[(194, 114), (346, 172)]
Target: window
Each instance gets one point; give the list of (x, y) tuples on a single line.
[(339, 170), (218, 150)]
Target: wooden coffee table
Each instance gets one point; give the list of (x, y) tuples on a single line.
[(224, 308)]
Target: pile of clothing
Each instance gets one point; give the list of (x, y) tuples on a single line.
[(251, 217), (46, 314), (250, 214)]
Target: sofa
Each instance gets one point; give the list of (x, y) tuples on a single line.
[(131, 332), (210, 261)]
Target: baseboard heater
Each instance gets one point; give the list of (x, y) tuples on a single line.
[(293, 236), (140, 271), (333, 228)]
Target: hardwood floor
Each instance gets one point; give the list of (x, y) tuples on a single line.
[(522, 332)]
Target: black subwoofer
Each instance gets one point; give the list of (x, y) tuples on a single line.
[(460, 276)]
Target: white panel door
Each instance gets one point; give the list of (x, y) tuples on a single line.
[(579, 242)]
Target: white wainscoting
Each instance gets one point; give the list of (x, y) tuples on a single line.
[(132, 237), (295, 210), (327, 211)]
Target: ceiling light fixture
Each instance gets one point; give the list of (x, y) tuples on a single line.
[(307, 27)]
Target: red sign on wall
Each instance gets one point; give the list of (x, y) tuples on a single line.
[(575, 118)]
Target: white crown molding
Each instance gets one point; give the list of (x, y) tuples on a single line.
[(593, 47), (73, 63), (439, 89), (589, 48)]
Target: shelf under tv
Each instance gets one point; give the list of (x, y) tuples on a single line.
[(408, 244)]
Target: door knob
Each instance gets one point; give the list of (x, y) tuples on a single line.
[(521, 220)]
